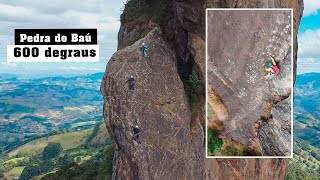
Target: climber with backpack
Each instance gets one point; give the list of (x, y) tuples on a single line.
[(131, 83), (144, 49), (271, 68), (136, 133)]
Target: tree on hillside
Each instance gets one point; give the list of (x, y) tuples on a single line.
[(65, 160), (51, 150), (107, 164), (30, 171), (78, 159)]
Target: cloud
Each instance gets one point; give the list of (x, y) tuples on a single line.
[(309, 44), (12, 65), (59, 14), (309, 51), (311, 7), (77, 68), (93, 20), (58, 7), (308, 61), (12, 10), (101, 14)]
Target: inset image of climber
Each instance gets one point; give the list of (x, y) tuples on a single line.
[(249, 82)]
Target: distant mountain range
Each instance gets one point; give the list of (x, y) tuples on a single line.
[(306, 147), (40, 106), (8, 76), (307, 108)]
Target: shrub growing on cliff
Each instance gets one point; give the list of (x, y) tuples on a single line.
[(195, 87), (230, 151), (214, 142), (139, 12)]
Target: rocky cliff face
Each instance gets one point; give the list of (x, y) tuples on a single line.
[(189, 15), (158, 105), (172, 137)]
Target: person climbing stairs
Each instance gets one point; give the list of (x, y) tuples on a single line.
[(131, 83), (136, 133), (144, 49)]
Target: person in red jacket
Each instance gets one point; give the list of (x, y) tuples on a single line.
[(271, 68)]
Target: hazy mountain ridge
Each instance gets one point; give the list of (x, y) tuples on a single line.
[(306, 108), (306, 160), (34, 107)]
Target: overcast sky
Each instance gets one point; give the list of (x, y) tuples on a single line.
[(104, 15), (101, 14)]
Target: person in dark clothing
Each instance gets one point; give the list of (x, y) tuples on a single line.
[(144, 49), (131, 83), (136, 133)]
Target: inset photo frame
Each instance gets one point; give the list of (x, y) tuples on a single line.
[(249, 85)]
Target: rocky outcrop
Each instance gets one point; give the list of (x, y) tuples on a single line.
[(159, 106), (172, 139)]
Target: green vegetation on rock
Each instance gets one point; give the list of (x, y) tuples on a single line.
[(195, 91), (230, 151), (214, 142), (195, 87), (138, 13)]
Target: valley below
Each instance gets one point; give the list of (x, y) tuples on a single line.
[(32, 108)]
